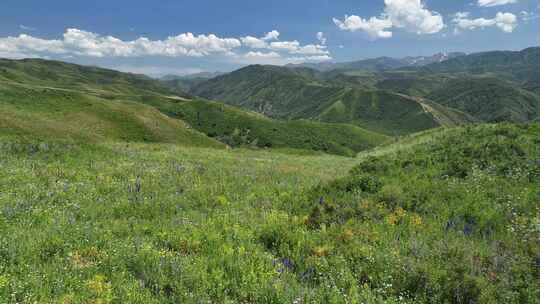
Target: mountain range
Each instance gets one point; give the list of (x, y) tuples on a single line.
[(380, 63), (342, 110), (488, 87)]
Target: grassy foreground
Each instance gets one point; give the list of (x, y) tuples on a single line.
[(448, 216), (147, 223)]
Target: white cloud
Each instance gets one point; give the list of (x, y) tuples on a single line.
[(491, 3), (288, 46), (311, 49), (410, 15), (294, 47), (276, 58), (528, 16), (321, 38), (413, 16), (507, 22), (27, 28), (75, 42), (291, 47), (273, 35), (82, 43), (374, 27), (261, 55), (254, 43), (260, 43), (155, 71)]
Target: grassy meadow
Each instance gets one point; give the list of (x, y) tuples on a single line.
[(113, 190), (430, 219)]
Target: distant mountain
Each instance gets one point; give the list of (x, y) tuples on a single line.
[(425, 60), (186, 82), (489, 99), (512, 62), (299, 93), (380, 63), (522, 67), (54, 100), (206, 75), (76, 77)]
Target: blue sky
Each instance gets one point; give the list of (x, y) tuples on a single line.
[(178, 37)]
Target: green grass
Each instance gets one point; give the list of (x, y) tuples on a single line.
[(134, 223), (489, 99), (47, 73), (449, 216), (49, 99), (240, 128), (431, 219), (290, 94), (57, 114)]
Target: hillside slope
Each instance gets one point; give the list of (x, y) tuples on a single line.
[(50, 99), (59, 114), (459, 204), (39, 72), (241, 128), (299, 93), (488, 99)]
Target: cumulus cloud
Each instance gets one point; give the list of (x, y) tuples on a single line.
[(294, 47), (83, 43), (75, 42), (374, 27), (262, 55), (276, 58), (321, 38), (273, 35), (254, 43), (490, 3), (260, 43), (410, 15), (413, 16), (506, 22)]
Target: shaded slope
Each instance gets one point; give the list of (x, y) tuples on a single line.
[(238, 127), (488, 99), (50, 99), (274, 91), (301, 93)]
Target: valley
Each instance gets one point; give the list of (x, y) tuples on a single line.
[(374, 182)]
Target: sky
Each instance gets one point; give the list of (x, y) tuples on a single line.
[(183, 37)]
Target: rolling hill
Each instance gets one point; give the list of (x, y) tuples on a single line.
[(59, 114), (40, 72), (238, 127), (438, 203), (286, 93), (488, 99), (92, 104)]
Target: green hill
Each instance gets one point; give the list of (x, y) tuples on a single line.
[(513, 62), (59, 114), (48, 73), (300, 94), (448, 207), (521, 67), (238, 127), (446, 216), (241, 128), (488, 99), (51, 99)]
